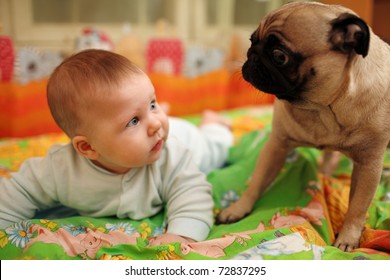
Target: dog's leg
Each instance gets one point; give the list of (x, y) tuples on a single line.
[(364, 181), (329, 162), (270, 161)]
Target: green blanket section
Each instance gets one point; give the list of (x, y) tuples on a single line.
[(268, 232)]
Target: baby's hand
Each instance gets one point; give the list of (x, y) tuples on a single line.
[(169, 238)]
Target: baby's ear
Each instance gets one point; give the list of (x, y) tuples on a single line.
[(83, 147)]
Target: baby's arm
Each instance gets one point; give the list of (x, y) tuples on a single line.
[(22, 194), (187, 195)]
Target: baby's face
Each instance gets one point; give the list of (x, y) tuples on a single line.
[(130, 128)]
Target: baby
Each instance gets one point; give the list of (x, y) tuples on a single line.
[(120, 160)]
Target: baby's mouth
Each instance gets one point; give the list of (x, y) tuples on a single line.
[(158, 146)]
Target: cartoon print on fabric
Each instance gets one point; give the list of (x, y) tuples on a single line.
[(85, 244), (214, 248), (284, 245)]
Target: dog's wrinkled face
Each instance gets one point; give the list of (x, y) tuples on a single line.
[(302, 50)]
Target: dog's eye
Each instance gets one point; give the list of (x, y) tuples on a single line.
[(279, 57)]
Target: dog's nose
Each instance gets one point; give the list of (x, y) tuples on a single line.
[(252, 54), (249, 52)]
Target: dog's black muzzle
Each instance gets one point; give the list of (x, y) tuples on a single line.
[(259, 71)]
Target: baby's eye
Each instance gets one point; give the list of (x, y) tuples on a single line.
[(134, 121), (153, 105)]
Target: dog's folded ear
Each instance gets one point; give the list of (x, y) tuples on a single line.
[(350, 33)]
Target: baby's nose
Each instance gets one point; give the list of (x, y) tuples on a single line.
[(154, 126)]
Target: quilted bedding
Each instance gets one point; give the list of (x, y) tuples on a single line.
[(297, 218)]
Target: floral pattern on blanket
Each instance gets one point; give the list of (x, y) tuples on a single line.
[(297, 218)]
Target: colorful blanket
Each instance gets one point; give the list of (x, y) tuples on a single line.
[(297, 218)]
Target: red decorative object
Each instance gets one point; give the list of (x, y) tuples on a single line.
[(92, 38), (164, 55), (7, 57)]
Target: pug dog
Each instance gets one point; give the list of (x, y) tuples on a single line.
[(331, 76)]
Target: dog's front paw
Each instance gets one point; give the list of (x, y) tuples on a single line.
[(348, 240), (235, 212)]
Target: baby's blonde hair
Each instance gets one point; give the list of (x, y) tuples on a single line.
[(80, 77)]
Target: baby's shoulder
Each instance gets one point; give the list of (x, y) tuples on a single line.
[(61, 150), (174, 154), (63, 154), (174, 146)]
